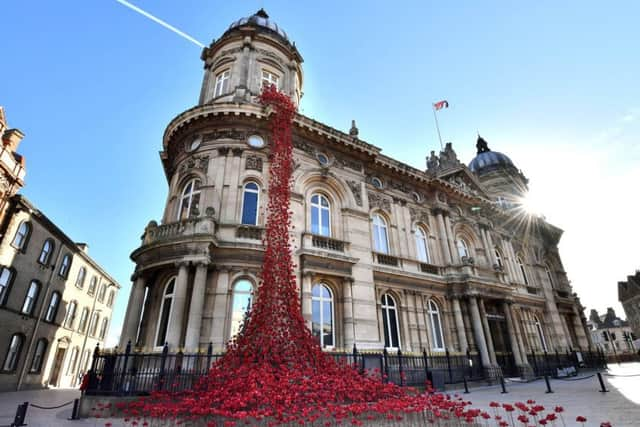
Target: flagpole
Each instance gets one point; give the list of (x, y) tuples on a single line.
[(435, 117)]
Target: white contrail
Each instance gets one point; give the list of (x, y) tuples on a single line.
[(160, 21)]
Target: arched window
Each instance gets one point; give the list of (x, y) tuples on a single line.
[(498, 255), (80, 277), (549, 276), (390, 322), (250, 203), (436, 326), (269, 78), (110, 298), (322, 325), (165, 312), (82, 325), (463, 248), (31, 298), (72, 361), (38, 356), (222, 83), (422, 245), (540, 331), (93, 325), (522, 270), (21, 238), (101, 292), (190, 199), (52, 309), (45, 253), (241, 305), (71, 315), (92, 285), (6, 278), (13, 353), (320, 215), (65, 265), (103, 327), (380, 237)]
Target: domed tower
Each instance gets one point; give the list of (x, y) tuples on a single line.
[(498, 174), (253, 52), (215, 159)]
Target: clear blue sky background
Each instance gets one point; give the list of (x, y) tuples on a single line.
[(552, 84)]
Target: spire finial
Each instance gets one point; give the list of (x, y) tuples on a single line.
[(354, 130), (482, 145), (262, 13)]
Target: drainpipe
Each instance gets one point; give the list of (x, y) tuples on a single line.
[(39, 319)]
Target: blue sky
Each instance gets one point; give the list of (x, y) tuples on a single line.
[(554, 86)]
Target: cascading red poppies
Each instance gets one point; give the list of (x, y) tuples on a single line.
[(274, 369)]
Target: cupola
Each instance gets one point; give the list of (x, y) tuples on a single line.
[(253, 52)]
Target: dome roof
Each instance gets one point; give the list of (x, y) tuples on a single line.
[(260, 19), (487, 160)]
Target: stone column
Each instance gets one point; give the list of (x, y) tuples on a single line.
[(176, 321), (478, 333), (518, 328), (405, 324), (508, 262), (192, 341), (487, 332), (444, 242), (451, 239), (220, 310), (412, 316), (578, 327), (307, 278), (457, 314), (515, 347), (132, 316), (347, 318), (491, 257)]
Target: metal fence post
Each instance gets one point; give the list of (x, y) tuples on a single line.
[(127, 352), (546, 362), (446, 352), (400, 367), (535, 362), (163, 360), (209, 355), (425, 358), (385, 358), (469, 363)]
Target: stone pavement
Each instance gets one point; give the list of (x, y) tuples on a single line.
[(621, 406)]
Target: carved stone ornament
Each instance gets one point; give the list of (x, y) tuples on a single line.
[(419, 216), (235, 134), (378, 201), (304, 146), (253, 163), (195, 162), (348, 163), (356, 189)]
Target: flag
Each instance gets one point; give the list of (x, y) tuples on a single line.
[(440, 105)]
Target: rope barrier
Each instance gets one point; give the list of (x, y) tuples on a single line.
[(51, 407), (612, 375), (576, 379)]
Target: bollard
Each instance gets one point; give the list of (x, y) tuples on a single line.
[(546, 380), (466, 386), (504, 389), (75, 413), (21, 414), (603, 389)]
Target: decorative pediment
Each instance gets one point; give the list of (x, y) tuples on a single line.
[(464, 181), (379, 201), (253, 163)]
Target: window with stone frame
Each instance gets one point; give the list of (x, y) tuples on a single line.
[(21, 238), (6, 280), (380, 235), (240, 304), (45, 254), (320, 215), (12, 356), (270, 78), (422, 245), (31, 297), (38, 356), (52, 308), (189, 200), (82, 273), (436, 326), (391, 327), (222, 83), (322, 315), (65, 266), (165, 312), (250, 203)]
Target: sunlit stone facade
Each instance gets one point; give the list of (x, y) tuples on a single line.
[(386, 255)]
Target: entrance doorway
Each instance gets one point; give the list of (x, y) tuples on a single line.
[(54, 379)]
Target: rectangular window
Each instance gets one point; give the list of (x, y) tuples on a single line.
[(269, 79), (222, 84)]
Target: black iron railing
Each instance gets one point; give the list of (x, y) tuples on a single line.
[(136, 373)]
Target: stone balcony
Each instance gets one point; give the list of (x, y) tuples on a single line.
[(179, 230)]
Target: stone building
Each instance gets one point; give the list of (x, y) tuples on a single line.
[(629, 296), (386, 255), (611, 333), (55, 301)]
